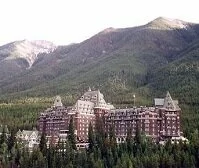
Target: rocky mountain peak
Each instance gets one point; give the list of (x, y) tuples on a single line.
[(167, 23), (26, 50), (108, 30)]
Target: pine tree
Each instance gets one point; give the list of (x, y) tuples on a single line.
[(129, 140), (42, 144), (37, 159), (100, 130), (71, 134), (4, 154), (11, 141), (91, 138), (138, 137), (24, 159), (3, 137), (98, 164), (51, 157)]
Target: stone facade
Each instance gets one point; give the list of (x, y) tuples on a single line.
[(28, 138), (54, 119), (54, 122), (159, 122)]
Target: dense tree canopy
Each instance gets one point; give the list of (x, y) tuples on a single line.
[(137, 152)]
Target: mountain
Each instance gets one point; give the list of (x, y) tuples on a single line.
[(163, 23), (120, 62), (18, 56), (181, 76)]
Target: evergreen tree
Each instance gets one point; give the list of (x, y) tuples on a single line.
[(138, 138), (98, 164), (91, 138), (24, 159), (11, 141), (99, 130), (51, 157), (3, 137), (42, 144), (38, 159), (71, 134), (18, 155), (112, 134), (4, 154), (129, 140)]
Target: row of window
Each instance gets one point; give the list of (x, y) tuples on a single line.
[(83, 133), (82, 129)]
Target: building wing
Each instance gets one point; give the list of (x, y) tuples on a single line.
[(159, 101)]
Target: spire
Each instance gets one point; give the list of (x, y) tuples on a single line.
[(168, 102), (134, 100), (89, 89), (58, 102)]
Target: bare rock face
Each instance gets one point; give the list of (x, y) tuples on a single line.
[(19, 56), (117, 58), (25, 50), (168, 24)]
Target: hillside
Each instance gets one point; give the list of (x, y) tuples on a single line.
[(19, 56), (122, 60), (181, 78)]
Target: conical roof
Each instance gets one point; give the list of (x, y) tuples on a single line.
[(169, 103)]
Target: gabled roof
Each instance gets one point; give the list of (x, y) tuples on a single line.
[(29, 133), (168, 102), (96, 97)]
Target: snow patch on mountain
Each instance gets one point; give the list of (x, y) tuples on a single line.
[(27, 50), (176, 23), (164, 23)]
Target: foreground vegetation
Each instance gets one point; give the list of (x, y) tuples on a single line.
[(23, 113), (20, 116), (146, 63), (103, 152)]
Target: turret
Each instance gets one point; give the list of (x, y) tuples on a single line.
[(168, 102), (57, 102)]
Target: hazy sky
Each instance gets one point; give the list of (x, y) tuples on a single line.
[(68, 21)]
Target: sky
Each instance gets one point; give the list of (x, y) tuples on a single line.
[(71, 21)]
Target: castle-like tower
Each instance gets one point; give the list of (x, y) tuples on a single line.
[(55, 120), (159, 122)]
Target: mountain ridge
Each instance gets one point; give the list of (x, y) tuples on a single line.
[(121, 59), (21, 55), (172, 23)]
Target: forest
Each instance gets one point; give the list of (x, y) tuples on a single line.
[(103, 152)]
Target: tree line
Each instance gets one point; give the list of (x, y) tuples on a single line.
[(103, 152)]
